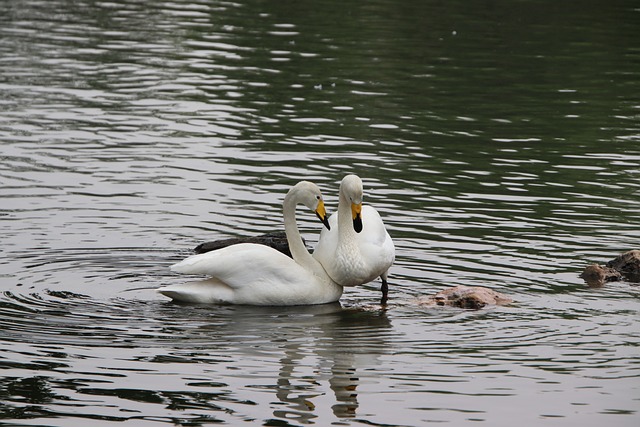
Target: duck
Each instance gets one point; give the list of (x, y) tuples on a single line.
[(255, 274), (356, 247)]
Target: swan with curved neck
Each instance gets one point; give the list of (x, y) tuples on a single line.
[(357, 247), (255, 274)]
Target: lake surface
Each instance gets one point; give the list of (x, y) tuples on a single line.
[(500, 141)]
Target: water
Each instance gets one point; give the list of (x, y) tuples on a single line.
[(499, 141)]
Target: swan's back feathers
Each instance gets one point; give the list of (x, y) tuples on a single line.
[(276, 239)]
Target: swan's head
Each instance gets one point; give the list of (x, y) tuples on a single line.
[(308, 194), (351, 189)]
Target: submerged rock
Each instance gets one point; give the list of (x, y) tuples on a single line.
[(276, 239), (596, 275), (628, 264), (473, 297), (624, 267)]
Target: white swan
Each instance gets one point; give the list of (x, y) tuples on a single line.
[(254, 274), (357, 248)]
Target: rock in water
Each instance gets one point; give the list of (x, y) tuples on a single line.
[(473, 297), (623, 267), (596, 275), (628, 264)]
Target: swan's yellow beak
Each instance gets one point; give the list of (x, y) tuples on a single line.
[(321, 213), (356, 215)]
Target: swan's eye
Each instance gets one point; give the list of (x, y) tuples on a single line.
[(318, 197)]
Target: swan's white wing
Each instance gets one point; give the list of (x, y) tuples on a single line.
[(373, 229), (375, 243), (244, 264), (254, 274)]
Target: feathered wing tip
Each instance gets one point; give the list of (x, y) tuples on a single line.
[(185, 265), (204, 291)]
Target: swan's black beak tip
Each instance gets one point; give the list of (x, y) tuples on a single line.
[(357, 224), (321, 213), (324, 220)]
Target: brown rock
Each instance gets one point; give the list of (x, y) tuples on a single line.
[(623, 267), (473, 297), (596, 275), (628, 264)]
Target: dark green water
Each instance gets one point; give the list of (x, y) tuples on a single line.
[(499, 140)]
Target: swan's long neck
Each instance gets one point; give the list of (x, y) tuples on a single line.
[(345, 221), (298, 250)]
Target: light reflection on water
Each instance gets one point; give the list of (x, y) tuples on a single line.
[(130, 132)]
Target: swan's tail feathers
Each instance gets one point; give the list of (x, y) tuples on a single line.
[(176, 294), (205, 291)]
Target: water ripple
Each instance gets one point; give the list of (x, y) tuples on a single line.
[(132, 131)]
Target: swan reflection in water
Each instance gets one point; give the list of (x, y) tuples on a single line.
[(354, 337), (321, 347)]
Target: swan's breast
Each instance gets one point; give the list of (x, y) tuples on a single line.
[(350, 268)]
